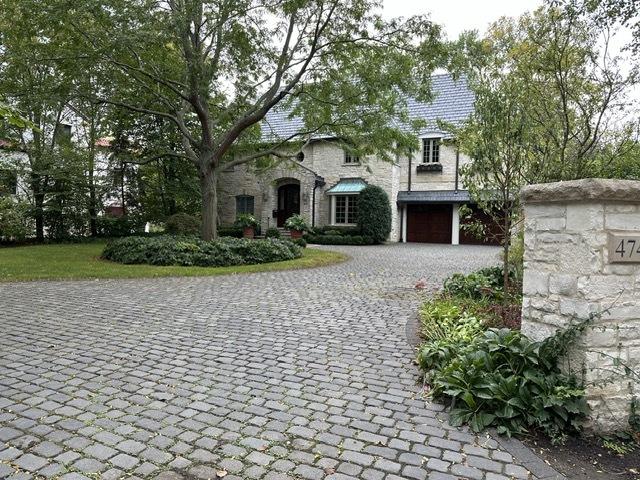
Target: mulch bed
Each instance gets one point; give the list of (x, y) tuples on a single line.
[(586, 458)]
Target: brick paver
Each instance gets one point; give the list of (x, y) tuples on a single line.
[(290, 375)]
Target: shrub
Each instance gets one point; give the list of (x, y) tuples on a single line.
[(15, 224), (374, 213), (182, 224), (191, 251), (335, 230), (272, 233), (297, 222), (339, 239), (123, 226), (230, 231), (246, 220), (503, 379), (301, 242)]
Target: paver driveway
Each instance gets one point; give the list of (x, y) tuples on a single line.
[(299, 374)]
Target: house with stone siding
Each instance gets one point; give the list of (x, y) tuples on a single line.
[(425, 189)]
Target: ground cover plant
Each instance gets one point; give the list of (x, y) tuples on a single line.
[(475, 358), (191, 251), (82, 261)]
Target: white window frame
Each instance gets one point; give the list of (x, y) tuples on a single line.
[(346, 212), (428, 150), (352, 159)]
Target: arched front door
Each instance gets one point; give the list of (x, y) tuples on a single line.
[(288, 202)]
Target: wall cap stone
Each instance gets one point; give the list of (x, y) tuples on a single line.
[(599, 189)]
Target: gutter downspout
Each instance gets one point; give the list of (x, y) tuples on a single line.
[(457, 166), (319, 182), (402, 210), (409, 172)]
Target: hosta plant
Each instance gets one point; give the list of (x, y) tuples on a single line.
[(503, 379)]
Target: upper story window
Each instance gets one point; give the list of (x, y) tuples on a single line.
[(350, 158), (430, 150), (244, 204)]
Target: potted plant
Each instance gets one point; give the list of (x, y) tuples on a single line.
[(297, 225), (248, 223)]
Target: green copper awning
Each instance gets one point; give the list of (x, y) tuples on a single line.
[(347, 186)]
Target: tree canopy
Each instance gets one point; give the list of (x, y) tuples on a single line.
[(215, 69)]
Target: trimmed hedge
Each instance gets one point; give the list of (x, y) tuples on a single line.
[(182, 224), (191, 251), (126, 225), (335, 230), (339, 239), (230, 231), (374, 213)]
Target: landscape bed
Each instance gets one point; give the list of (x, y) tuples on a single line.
[(82, 261)]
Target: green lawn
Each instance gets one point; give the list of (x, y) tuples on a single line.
[(77, 261)]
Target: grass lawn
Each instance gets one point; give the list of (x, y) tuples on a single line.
[(77, 261)]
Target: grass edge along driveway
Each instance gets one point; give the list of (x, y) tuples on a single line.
[(82, 261)]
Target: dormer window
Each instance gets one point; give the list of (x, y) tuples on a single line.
[(350, 158), (430, 150)]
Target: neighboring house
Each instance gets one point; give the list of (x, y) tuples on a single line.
[(14, 163), (425, 190)]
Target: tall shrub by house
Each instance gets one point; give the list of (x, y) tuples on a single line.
[(374, 213)]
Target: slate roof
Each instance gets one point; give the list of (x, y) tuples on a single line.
[(434, 196), (452, 103)]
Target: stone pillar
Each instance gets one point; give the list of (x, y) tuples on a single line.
[(572, 270)]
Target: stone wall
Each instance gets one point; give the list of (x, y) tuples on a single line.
[(326, 158), (569, 276), (444, 180)]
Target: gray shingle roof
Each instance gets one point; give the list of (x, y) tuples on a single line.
[(452, 103), (434, 196)]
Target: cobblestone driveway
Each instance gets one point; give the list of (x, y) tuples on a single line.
[(301, 374)]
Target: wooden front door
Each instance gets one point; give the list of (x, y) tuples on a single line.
[(288, 202), (430, 223)]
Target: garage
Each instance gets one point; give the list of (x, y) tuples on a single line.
[(429, 223), (431, 216), (493, 232)]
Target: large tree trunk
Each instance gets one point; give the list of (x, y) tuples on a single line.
[(38, 200), (92, 208), (209, 193)]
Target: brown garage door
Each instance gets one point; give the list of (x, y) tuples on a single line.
[(492, 230), (429, 223)]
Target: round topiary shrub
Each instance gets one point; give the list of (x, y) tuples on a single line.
[(374, 213), (182, 224)]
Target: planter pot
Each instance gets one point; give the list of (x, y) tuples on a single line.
[(248, 232), (295, 234)]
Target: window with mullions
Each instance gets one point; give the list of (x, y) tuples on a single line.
[(430, 150), (351, 158), (346, 209), (244, 204)]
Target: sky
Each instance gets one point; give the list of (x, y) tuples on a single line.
[(459, 15)]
